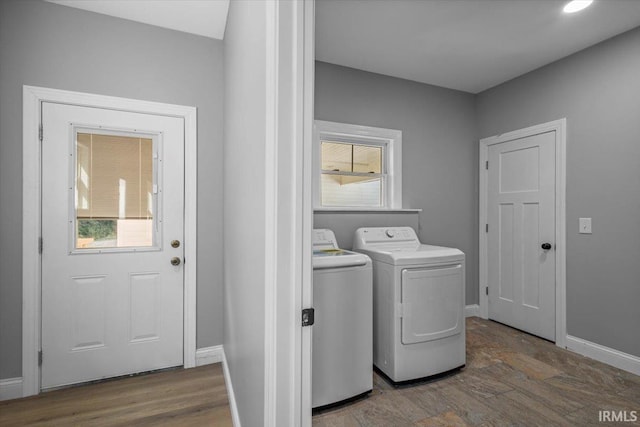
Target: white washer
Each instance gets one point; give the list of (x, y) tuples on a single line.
[(342, 354), (418, 308)]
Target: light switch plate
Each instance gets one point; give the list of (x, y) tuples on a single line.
[(585, 225)]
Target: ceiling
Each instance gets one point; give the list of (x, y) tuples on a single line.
[(469, 45), (206, 18)]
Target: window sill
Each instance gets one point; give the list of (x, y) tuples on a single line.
[(364, 210)]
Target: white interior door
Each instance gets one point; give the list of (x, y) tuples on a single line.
[(521, 218), (112, 207)]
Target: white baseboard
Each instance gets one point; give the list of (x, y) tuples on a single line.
[(215, 354), (472, 310), (208, 355), (618, 359), (10, 388), (235, 416)]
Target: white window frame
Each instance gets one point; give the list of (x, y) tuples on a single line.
[(389, 139)]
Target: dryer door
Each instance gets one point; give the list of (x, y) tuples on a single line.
[(432, 303)]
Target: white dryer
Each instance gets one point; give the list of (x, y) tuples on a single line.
[(418, 311), (342, 354)]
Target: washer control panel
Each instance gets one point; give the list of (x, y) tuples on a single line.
[(324, 239)]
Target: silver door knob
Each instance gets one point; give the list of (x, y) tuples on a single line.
[(175, 260), (175, 243)]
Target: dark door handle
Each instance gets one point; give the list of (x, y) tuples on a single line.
[(546, 246)]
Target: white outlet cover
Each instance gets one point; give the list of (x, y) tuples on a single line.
[(585, 225)]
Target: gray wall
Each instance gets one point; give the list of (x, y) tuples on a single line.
[(439, 152), (244, 205), (44, 44), (345, 224), (598, 91)]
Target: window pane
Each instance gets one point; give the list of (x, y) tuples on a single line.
[(336, 156), (114, 191), (341, 190), (367, 159)]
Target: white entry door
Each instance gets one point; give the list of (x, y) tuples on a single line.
[(112, 229), (521, 218)]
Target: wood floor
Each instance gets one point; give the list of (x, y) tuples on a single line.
[(511, 379), (180, 397)]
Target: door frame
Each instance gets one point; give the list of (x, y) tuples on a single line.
[(33, 97), (559, 126), (306, 291), (289, 215)]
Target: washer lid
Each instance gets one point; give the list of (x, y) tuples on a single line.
[(333, 258), (419, 255)]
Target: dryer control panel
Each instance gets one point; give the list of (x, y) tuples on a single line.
[(385, 236)]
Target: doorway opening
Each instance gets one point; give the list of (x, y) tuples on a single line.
[(529, 159)]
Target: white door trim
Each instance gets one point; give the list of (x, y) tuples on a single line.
[(306, 291), (33, 97), (288, 213), (559, 126)]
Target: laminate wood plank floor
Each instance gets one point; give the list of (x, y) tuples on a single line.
[(511, 379), (178, 397)]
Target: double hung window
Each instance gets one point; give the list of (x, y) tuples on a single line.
[(357, 167), (352, 174)]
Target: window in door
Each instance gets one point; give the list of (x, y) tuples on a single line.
[(358, 167), (115, 191)]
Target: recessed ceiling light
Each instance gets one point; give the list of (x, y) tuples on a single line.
[(576, 5)]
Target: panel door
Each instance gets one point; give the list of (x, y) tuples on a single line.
[(521, 215), (112, 203), (432, 303)]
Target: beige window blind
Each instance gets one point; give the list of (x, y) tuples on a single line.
[(114, 177)]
